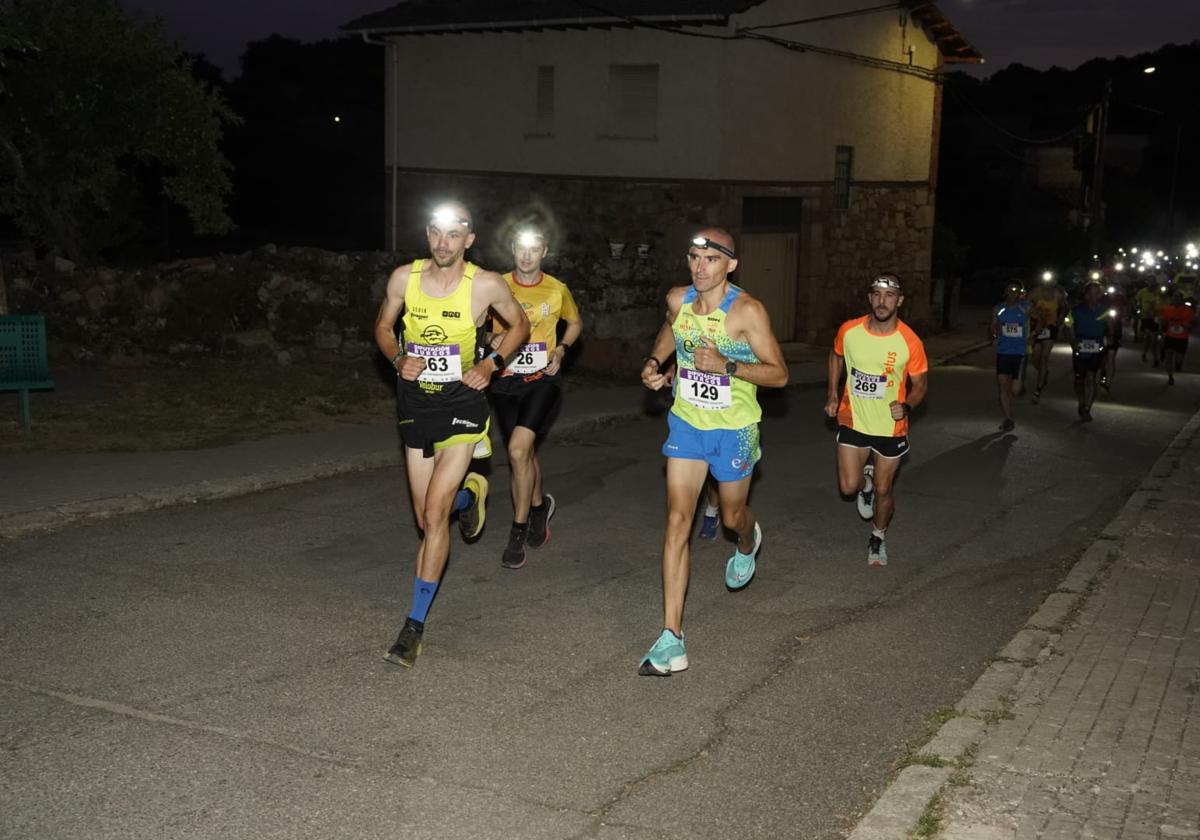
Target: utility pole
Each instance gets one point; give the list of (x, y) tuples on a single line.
[(1096, 195)]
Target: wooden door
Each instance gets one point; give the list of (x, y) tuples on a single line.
[(767, 269)]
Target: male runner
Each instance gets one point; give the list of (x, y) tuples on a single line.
[(1047, 303), (527, 393), (1149, 302), (442, 410), (1177, 320), (880, 355), (725, 350), (1091, 330), (1010, 332)]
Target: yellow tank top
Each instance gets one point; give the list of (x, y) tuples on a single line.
[(440, 329)]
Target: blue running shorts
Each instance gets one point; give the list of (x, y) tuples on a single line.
[(731, 453)]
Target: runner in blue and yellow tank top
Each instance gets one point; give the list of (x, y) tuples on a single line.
[(441, 409), (724, 350), (1010, 332)]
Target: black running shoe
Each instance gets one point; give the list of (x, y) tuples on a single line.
[(514, 552), (539, 522), (408, 644), (1008, 425), (471, 519)]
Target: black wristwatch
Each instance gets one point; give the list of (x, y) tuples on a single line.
[(907, 408), (731, 367), (496, 358)]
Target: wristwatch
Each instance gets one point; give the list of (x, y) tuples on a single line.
[(496, 358), (907, 408), (731, 367), (400, 354)]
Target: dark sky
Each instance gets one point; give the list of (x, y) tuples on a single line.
[(1040, 33)]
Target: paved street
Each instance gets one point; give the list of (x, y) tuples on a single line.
[(217, 670)]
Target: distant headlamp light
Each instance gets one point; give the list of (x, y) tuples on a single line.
[(701, 242)]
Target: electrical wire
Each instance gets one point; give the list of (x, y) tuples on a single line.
[(1032, 141), (836, 16)]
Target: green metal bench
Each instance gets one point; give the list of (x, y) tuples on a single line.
[(23, 365)]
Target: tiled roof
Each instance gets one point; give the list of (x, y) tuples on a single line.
[(444, 16)]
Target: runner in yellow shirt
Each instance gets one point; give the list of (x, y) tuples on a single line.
[(1047, 304), (527, 394), (879, 355)]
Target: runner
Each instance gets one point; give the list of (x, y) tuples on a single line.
[(1149, 302), (1118, 307), (1091, 330), (880, 355), (1177, 320), (443, 413), (1047, 302), (1010, 332), (725, 350), (527, 394)]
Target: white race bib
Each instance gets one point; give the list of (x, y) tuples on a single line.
[(1090, 345), (708, 391), (1012, 330), (530, 358), (868, 386), (443, 362), (1044, 334)]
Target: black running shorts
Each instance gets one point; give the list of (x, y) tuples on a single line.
[(457, 414), (1083, 363), (1009, 364), (885, 447), (1178, 345), (526, 401)]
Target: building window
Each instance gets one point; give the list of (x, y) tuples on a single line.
[(543, 119), (633, 101), (843, 166)]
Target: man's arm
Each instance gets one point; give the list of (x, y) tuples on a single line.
[(570, 336), (837, 366), (499, 298), (655, 372), (755, 326), (916, 394), (407, 367)]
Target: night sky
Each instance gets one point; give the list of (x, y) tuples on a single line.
[(1039, 33)]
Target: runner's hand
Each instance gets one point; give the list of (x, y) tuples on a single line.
[(831, 407), (653, 378), (476, 378), (411, 368), (555, 362), (707, 358), (897, 409)]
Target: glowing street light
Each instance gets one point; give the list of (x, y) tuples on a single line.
[(1149, 70)]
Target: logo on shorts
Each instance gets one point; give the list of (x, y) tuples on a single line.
[(737, 463), (433, 334), (901, 446), (458, 421)]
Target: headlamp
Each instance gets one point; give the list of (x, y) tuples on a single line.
[(885, 283), (530, 239), (702, 242), (445, 217)]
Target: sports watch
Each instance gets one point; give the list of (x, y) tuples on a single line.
[(731, 367)]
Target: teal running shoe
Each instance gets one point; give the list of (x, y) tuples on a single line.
[(740, 567), (665, 657)]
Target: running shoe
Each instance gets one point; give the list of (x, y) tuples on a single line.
[(470, 520), (876, 551), (1008, 425), (539, 522), (408, 644), (866, 498), (708, 527), (740, 567), (514, 552), (1037, 395), (1170, 379), (665, 657)]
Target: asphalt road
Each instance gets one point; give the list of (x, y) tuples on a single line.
[(217, 671)]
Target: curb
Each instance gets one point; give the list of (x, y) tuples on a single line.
[(55, 517), (895, 814)]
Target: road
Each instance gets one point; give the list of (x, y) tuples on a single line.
[(217, 671)]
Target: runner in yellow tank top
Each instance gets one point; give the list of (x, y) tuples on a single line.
[(442, 411), (724, 349), (879, 355), (1047, 305)]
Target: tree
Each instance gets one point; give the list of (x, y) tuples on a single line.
[(95, 106)]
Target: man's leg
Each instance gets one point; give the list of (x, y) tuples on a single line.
[(1005, 385), (1169, 364), (738, 518), (885, 508), (850, 463), (712, 510), (523, 463), (685, 478), (1043, 349)]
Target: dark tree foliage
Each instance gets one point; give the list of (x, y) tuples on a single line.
[(100, 113)]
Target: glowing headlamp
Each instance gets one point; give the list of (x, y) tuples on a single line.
[(445, 217), (1047, 276), (530, 239), (1112, 290), (885, 283), (702, 242)]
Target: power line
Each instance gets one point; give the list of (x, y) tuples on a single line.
[(1032, 141), (836, 16)]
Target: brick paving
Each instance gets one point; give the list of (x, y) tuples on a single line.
[(1102, 737)]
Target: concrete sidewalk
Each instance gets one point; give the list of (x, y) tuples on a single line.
[(42, 492), (1087, 724)]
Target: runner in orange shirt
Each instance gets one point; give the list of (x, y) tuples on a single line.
[(880, 355), (1177, 320)]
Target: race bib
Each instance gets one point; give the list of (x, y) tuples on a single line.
[(1090, 345), (1176, 330), (443, 362), (708, 391), (530, 358), (1011, 330), (868, 386), (1044, 334)]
